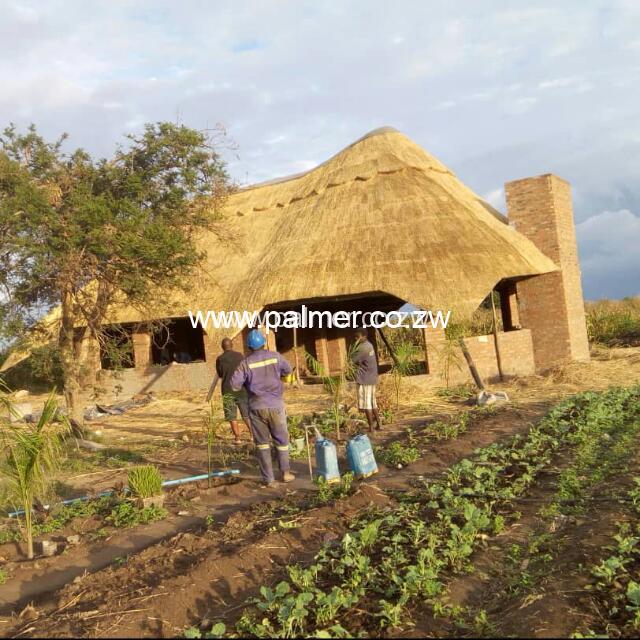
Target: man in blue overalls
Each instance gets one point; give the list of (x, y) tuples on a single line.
[(260, 373)]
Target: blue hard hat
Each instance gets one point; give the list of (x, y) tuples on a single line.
[(255, 340)]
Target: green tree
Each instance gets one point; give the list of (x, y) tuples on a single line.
[(81, 233)]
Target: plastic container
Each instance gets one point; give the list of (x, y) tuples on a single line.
[(360, 457), (327, 460)]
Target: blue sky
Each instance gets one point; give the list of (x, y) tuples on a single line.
[(496, 90)]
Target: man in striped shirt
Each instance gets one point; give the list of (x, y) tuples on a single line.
[(260, 373)]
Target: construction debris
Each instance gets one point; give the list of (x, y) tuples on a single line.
[(100, 411), (486, 398)]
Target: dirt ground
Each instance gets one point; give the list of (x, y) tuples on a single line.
[(220, 545)]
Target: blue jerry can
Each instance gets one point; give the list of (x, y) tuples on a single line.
[(327, 460), (360, 456)]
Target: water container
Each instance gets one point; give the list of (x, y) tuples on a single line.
[(360, 456), (327, 460)]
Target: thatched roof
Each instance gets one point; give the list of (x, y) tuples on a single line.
[(382, 215)]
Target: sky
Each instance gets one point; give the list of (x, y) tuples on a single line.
[(495, 90)]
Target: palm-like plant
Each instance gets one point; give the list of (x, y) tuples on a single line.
[(31, 454), (334, 384)]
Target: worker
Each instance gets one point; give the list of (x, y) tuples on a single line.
[(366, 377), (261, 373), (232, 401)]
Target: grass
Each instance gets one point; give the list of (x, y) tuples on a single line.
[(614, 322), (144, 481), (111, 458)]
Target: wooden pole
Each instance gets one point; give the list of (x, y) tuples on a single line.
[(212, 387), (495, 338), (306, 437), (295, 355), (472, 367)]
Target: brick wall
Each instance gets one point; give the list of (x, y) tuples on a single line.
[(516, 352), (551, 305), (194, 376)]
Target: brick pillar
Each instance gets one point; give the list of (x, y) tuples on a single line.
[(141, 349), (509, 307), (336, 349), (322, 353), (551, 305), (271, 339)]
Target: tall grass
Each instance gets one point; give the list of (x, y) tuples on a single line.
[(614, 322), (144, 481)]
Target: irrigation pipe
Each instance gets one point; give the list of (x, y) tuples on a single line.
[(166, 483)]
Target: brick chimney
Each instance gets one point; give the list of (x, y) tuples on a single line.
[(550, 305)]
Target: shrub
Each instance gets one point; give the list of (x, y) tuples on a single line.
[(144, 481), (614, 322)]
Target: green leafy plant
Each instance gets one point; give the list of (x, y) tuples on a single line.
[(397, 453), (295, 430), (31, 455), (393, 558), (144, 481), (217, 631), (100, 221), (448, 352), (126, 515), (330, 491), (614, 589)]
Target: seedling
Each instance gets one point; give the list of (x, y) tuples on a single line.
[(144, 481)]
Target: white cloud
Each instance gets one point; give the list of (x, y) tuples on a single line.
[(609, 252), (495, 92), (495, 198)]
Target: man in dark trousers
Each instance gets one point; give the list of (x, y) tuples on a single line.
[(260, 373), (232, 401), (366, 376)]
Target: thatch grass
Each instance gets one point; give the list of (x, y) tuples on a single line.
[(382, 215)]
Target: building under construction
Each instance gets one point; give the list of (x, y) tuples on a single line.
[(380, 224)]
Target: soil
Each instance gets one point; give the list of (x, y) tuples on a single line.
[(158, 579), (522, 596)]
